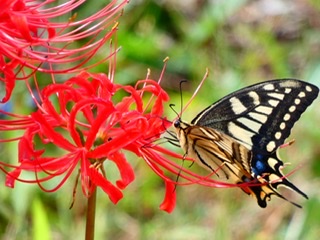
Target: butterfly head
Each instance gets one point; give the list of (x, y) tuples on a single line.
[(180, 125), (181, 129), (177, 123)]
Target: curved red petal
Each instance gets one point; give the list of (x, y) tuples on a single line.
[(113, 192), (125, 169), (169, 201)]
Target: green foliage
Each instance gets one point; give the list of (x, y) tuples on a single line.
[(41, 227)]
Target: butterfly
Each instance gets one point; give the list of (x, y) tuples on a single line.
[(238, 137)]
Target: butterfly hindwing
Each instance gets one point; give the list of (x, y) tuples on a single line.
[(222, 155), (214, 150)]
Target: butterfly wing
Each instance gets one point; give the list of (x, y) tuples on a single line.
[(214, 150), (261, 117)]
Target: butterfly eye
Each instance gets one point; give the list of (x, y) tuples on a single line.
[(177, 123)]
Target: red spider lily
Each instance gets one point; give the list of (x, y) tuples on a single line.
[(80, 118), (39, 36)]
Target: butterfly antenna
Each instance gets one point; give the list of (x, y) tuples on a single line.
[(172, 108), (181, 98), (174, 138), (181, 101)]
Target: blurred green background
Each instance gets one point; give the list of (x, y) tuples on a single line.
[(241, 42)]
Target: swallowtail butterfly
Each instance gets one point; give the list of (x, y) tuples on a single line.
[(240, 134)]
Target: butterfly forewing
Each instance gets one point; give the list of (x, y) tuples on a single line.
[(239, 134), (260, 115)]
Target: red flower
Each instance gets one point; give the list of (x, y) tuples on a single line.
[(80, 118), (31, 37)]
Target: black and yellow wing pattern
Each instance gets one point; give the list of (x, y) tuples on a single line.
[(241, 133)]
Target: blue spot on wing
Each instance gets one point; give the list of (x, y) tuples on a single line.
[(259, 165)]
